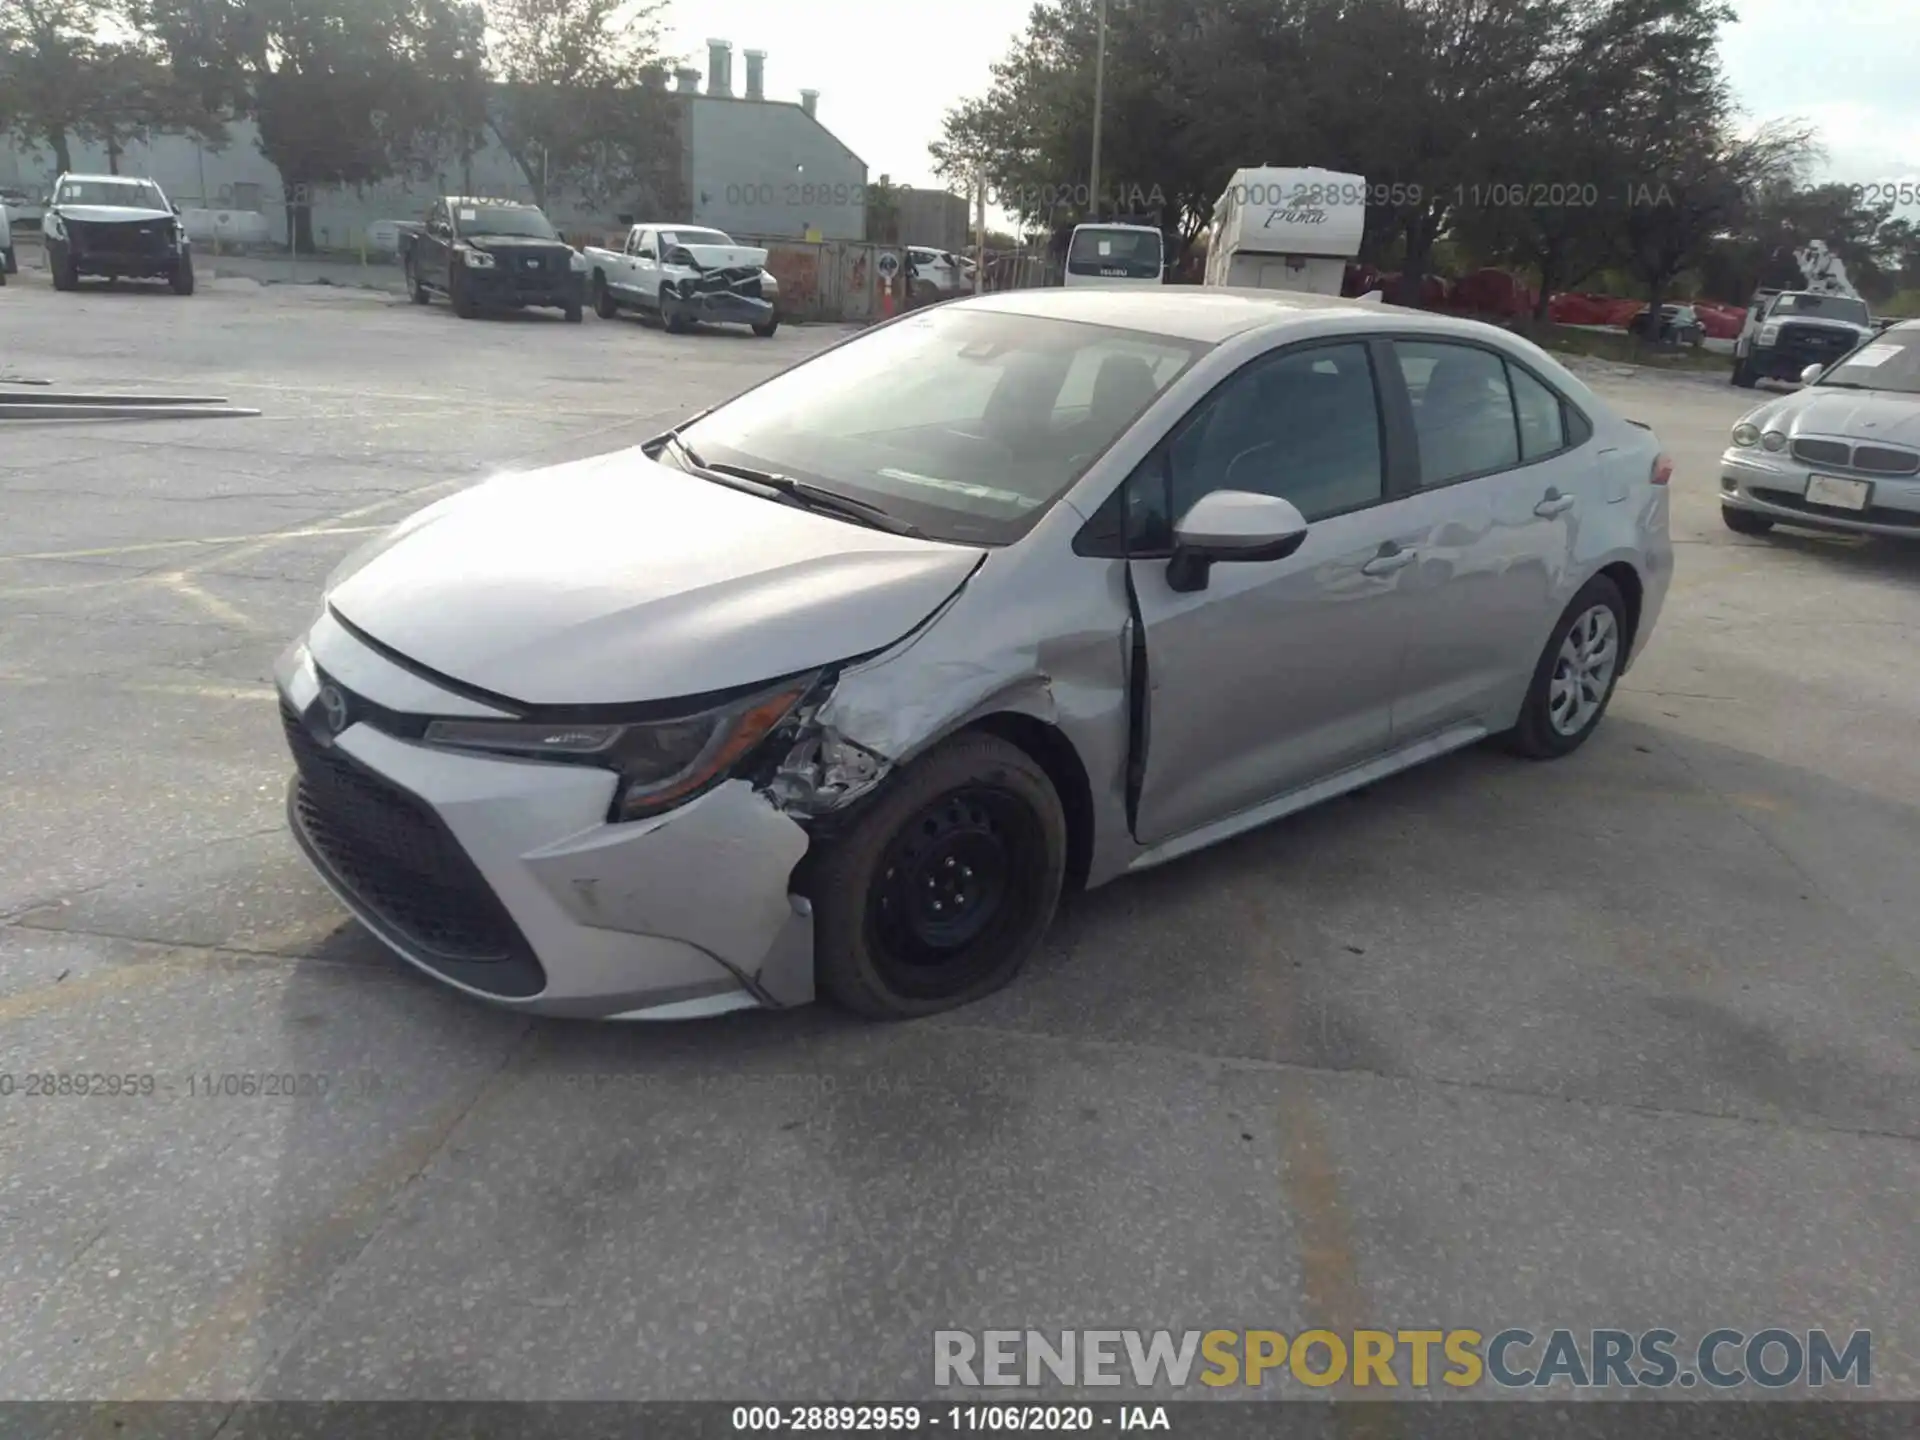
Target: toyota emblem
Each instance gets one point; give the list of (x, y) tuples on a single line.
[(334, 704)]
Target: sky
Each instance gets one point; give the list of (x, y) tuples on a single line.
[(887, 73)]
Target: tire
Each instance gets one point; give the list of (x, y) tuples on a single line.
[(182, 278), (765, 332), (64, 276), (573, 311), (13, 261), (421, 295), (1538, 735), (675, 324), (1745, 522), (976, 798), (463, 305), (1743, 375), (604, 305)]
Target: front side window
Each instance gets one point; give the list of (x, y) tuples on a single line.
[(1304, 425), (966, 424), (1463, 412)]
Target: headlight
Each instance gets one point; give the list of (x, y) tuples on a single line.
[(1745, 435), (769, 286), (475, 259), (577, 261), (1769, 333), (1773, 440), (661, 763)]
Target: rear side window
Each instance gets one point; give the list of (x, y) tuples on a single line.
[(1542, 419), (1463, 410)]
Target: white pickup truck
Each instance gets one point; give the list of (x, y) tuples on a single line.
[(684, 274)]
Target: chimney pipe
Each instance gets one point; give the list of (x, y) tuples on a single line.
[(689, 78), (756, 74), (719, 67), (809, 99)]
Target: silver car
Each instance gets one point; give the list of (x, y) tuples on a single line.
[(1841, 453), (837, 685)]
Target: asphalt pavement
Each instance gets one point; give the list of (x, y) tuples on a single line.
[(1623, 1041)]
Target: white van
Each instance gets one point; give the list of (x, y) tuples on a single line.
[(8, 265), (1116, 256)]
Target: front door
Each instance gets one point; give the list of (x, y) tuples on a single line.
[(1278, 673)]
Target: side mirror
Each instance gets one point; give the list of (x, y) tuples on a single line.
[(1811, 374), (176, 207), (1228, 526)]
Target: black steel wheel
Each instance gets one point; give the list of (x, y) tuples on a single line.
[(945, 884), (604, 305)]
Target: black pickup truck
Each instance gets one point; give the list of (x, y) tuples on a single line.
[(492, 254)]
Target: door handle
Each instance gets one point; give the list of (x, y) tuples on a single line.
[(1390, 559), (1553, 503)]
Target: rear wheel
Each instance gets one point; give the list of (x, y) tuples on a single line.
[(604, 305), (182, 277), (1574, 680), (942, 888), (1745, 522)]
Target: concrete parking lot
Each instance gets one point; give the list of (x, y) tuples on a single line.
[(1623, 1041)]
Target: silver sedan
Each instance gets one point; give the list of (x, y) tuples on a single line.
[(1841, 453), (838, 685)]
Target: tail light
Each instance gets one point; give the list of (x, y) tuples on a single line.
[(1662, 470)]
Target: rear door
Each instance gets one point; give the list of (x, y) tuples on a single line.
[(1277, 673), (1507, 472)]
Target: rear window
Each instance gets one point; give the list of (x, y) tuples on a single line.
[(1116, 254)]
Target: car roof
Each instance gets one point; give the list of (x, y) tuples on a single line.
[(490, 201), (1116, 225), (678, 225), (1207, 313), (124, 179)]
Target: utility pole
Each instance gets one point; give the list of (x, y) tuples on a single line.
[(979, 230), (1099, 96)]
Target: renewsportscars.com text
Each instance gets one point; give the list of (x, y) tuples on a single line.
[(1412, 1359)]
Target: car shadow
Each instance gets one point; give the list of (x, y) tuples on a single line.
[(1887, 557)]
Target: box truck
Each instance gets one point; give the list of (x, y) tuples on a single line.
[(1287, 229)]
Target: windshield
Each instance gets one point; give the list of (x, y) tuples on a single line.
[(1132, 254), (1827, 307), (134, 194), (510, 220), (694, 237), (966, 424), (1890, 361)]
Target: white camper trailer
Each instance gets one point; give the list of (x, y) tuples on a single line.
[(1278, 229)]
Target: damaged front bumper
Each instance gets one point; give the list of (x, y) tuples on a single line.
[(726, 297), (444, 855)]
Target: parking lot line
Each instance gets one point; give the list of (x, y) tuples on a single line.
[(304, 532), (183, 690)]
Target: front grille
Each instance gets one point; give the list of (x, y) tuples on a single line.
[(398, 859), (1822, 452), (1883, 461), (147, 238), (1874, 459), (1816, 341), (1872, 515)]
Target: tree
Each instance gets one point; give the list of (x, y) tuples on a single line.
[(73, 69), (344, 92), (573, 106)]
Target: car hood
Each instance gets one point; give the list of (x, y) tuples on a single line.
[(1859, 415), (513, 242), (616, 580), (725, 257), (111, 214)]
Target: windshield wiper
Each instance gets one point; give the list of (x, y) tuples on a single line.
[(813, 497), (1841, 385)]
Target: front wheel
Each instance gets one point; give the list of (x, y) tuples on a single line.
[(573, 311), (1743, 375), (766, 328), (1574, 680), (670, 316), (65, 276), (940, 890), (415, 287), (463, 305), (1745, 522), (182, 277)]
